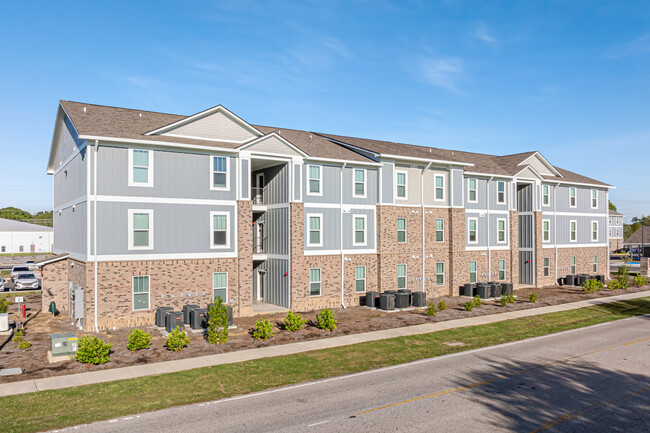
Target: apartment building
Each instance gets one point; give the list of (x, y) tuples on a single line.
[(615, 230), (154, 209)]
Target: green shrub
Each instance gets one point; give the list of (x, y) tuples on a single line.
[(615, 285), (4, 305), (138, 339), (510, 298), (19, 332), (24, 344), (263, 330), (326, 320), (294, 322), (93, 351), (218, 323), (639, 281), (592, 286), (469, 305), (477, 301), (431, 308), (623, 274), (442, 305), (533, 297), (176, 340), (17, 338), (503, 301)]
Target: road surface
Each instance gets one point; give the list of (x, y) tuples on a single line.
[(594, 379)]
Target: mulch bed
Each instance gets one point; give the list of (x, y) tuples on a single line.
[(39, 325)]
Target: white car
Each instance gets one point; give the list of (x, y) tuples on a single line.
[(26, 281), (17, 270)]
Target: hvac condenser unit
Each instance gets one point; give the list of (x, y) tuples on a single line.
[(63, 344)]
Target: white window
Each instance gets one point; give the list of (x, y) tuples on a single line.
[(546, 198), (359, 183), (473, 196), (472, 230), (594, 267), (314, 282), (140, 167), (219, 228), (594, 199), (360, 279), (473, 273), (401, 177), (314, 180), (440, 187), (594, 230), (501, 230), (315, 238), (220, 179), (141, 292), (501, 192), (502, 270), (610, 233), (546, 230), (572, 197), (140, 229), (401, 230), (574, 267), (440, 230), (359, 230), (547, 266), (573, 231), (220, 286), (440, 273), (401, 276)]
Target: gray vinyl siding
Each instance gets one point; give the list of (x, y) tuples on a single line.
[(583, 229), (175, 174), (583, 200), (457, 181), (176, 228), (371, 187), (70, 234), (493, 195), (331, 223), (330, 185), (70, 181), (277, 183), (277, 230), (551, 197), (245, 179), (348, 233), (481, 226), (481, 193), (526, 231), (297, 190), (429, 187), (525, 198), (276, 288), (551, 219), (494, 229), (69, 141), (387, 182)]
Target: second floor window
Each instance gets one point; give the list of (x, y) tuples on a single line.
[(440, 187), (573, 231), (501, 230), (594, 199), (141, 232), (572, 197), (472, 233), (501, 192), (440, 230), (314, 231), (401, 276), (219, 172), (359, 182), (359, 230), (546, 200), (594, 230), (220, 233), (314, 180), (140, 167), (401, 230), (546, 231), (473, 196), (401, 184)]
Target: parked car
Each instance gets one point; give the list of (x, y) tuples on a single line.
[(30, 264), (26, 281), (2, 285), (17, 270)]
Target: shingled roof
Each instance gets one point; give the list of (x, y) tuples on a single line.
[(641, 235)]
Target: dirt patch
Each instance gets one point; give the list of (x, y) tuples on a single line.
[(39, 325)]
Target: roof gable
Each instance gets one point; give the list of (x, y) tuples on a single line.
[(528, 172), (541, 165), (273, 143)]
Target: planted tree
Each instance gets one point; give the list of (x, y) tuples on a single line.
[(431, 308), (442, 305), (218, 323)]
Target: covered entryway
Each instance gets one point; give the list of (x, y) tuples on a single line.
[(526, 220)]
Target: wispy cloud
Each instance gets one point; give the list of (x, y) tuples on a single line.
[(481, 32), (443, 73), (638, 46), (144, 82)]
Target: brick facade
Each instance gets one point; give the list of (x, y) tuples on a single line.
[(615, 244)]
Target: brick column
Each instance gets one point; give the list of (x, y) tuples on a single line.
[(244, 297), (538, 262), (298, 274), (514, 248), (458, 261)]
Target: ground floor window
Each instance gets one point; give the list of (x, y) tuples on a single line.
[(314, 282), (547, 266), (472, 271), (595, 266), (220, 286), (360, 279), (502, 270), (141, 292), (574, 266), (21, 248), (440, 274), (401, 276)]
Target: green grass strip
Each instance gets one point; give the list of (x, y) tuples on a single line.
[(84, 404)]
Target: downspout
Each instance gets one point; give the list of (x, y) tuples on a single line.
[(555, 226), (95, 227), (422, 210), (487, 204), (341, 234), (607, 231)]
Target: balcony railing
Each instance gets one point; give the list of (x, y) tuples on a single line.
[(258, 195)]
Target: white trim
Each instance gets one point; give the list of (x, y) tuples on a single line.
[(435, 186), (547, 195), (538, 176), (320, 229), (545, 268), (354, 182), (505, 200), (313, 205), (571, 222), (591, 227), (573, 259), (320, 180), (149, 213), (69, 159), (165, 200), (219, 188), (575, 245), (161, 256), (130, 141), (577, 214), (354, 230), (469, 190), (225, 301), (485, 248), (71, 203), (204, 113), (279, 137), (443, 274), (149, 182), (544, 161), (217, 140), (133, 293), (317, 252), (505, 270), (575, 197), (474, 272), (406, 275), (54, 259), (505, 231), (546, 220), (436, 230), (349, 162), (320, 282), (406, 184), (475, 219), (212, 230)]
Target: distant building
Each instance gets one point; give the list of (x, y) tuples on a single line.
[(615, 231), (20, 237), (640, 238)]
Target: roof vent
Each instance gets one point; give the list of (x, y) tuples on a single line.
[(140, 115), (310, 136), (279, 132), (84, 110)]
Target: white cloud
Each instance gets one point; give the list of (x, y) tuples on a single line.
[(482, 33), (638, 46), (443, 72)]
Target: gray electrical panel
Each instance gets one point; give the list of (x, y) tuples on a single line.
[(78, 303)]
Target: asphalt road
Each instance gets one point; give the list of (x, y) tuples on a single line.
[(594, 379)]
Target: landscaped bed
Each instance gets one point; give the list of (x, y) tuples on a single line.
[(39, 324)]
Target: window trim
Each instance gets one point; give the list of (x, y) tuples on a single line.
[(571, 222), (320, 282), (469, 230), (406, 272), (469, 190), (149, 182), (443, 229), (212, 215), (225, 301), (405, 231), (131, 212), (505, 274), (572, 189), (435, 186), (546, 195), (505, 231), (365, 183), (320, 230), (594, 232), (354, 230), (501, 182), (438, 274), (320, 180), (594, 198), (546, 233), (133, 277), (547, 266), (406, 184), (219, 188), (475, 272), (362, 279)]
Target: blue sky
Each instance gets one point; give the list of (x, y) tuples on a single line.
[(570, 79)]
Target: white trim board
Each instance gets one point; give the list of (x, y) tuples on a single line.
[(165, 200), (162, 256), (338, 252)]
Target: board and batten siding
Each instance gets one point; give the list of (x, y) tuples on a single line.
[(331, 223), (583, 229), (70, 182), (70, 234), (483, 219), (215, 126), (276, 288), (276, 179), (583, 200), (276, 228)]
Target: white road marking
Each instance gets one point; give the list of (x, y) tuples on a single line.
[(318, 423)]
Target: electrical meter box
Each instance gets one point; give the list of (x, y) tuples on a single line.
[(63, 344)]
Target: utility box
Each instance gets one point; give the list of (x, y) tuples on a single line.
[(78, 303), (174, 319), (160, 315), (63, 344), (198, 318), (4, 322), (186, 312)]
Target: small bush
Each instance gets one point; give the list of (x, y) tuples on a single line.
[(93, 351), (503, 301), (431, 308), (533, 298), (639, 281), (442, 305), (4, 305), (476, 301), (614, 285), (218, 323), (17, 338), (469, 305), (592, 286), (24, 344), (176, 340), (326, 320), (623, 274), (19, 332), (294, 322), (263, 330), (511, 298), (138, 339)]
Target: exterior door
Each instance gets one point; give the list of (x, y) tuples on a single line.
[(260, 285)]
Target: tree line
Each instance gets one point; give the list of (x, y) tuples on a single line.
[(43, 217)]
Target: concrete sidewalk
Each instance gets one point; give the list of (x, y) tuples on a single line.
[(71, 380)]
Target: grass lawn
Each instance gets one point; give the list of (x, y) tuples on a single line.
[(58, 408), (13, 294)]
